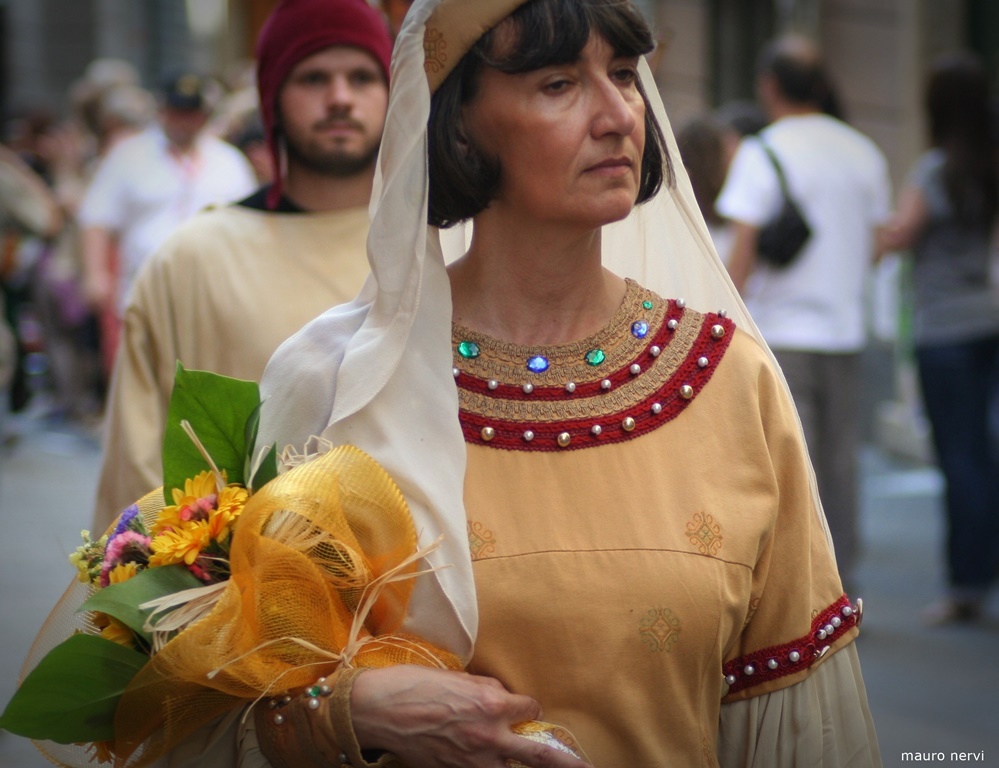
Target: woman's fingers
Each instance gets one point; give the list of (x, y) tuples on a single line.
[(434, 718)]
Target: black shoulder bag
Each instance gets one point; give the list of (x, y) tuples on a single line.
[(782, 239)]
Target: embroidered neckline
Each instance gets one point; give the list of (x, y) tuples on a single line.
[(656, 355)]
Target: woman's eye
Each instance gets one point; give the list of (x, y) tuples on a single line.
[(556, 86), (625, 75)]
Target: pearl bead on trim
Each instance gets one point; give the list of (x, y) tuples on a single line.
[(717, 331), (750, 669), (528, 388), (528, 435), (278, 719), (686, 391), (564, 439), (730, 679), (596, 429), (628, 425), (702, 362), (773, 664), (794, 657), (493, 384), (488, 433), (657, 408), (455, 372), (570, 387), (605, 384), (635, 369), (655, 351), (313, 703), (672, 325), (681, 303)]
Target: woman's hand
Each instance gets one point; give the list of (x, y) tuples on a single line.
[(431, 718)]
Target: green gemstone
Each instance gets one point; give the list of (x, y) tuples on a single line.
[(313, 691), (595, 356), (468, 349), (647, 304)]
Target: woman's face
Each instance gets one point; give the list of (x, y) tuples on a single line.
[(568, 138)]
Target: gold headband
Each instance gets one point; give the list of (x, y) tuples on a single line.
[(454, 27)]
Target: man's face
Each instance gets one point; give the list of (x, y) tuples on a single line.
[(331, 111), (182, 126)]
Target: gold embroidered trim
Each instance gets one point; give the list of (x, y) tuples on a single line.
[(506, 364)]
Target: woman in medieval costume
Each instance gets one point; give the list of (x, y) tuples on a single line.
[(633, 546)]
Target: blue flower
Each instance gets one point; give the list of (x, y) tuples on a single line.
[(125, 522)]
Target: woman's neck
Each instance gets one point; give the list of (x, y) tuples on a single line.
[(531, 287)]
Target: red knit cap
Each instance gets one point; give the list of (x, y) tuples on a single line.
[(299, 28)]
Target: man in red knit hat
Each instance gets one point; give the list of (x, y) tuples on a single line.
[(234, 282)]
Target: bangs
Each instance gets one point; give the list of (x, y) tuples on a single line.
[(544, 33)]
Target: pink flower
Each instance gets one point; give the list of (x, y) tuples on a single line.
[(126, 547)]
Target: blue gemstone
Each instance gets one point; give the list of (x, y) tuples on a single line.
[(639, 329), (537, 364)]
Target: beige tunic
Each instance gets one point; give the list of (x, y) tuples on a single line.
[(623, 576), (223, 292)]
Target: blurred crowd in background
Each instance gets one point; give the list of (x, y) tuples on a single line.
[(58, 326)]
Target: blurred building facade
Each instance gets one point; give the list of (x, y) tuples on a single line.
[(877, 49)]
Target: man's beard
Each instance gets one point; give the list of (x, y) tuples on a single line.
[(335, 163)]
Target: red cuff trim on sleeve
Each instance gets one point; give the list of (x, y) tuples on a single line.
[(776, 662)]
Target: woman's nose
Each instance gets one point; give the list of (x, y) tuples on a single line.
[(616, 109)]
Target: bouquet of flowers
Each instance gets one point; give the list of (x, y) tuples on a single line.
[(231, 584)]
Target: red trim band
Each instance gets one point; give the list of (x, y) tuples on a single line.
[(776, 662), (663, 405)]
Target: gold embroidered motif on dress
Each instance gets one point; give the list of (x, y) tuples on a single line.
[(481, 541), (705, 534), (660, 629), (434, 50), (754, 604)]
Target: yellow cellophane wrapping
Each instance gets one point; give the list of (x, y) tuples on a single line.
[(306, 546)]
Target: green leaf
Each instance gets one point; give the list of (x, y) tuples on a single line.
[(219, 409), (267, 470), (252, 425), (72, 694), (123, 600)]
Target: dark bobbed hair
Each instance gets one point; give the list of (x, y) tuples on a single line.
[(961, 123), (546, 32)]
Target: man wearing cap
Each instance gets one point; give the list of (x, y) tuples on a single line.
[(234, 282), (149, 184)]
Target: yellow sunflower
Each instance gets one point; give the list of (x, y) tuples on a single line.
[(195, 489), (231, 501), (113, 630), (123, 572), (181, 545)]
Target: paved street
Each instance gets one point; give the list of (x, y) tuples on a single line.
[(931, 690)]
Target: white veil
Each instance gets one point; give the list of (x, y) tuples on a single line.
[(377, 372)]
